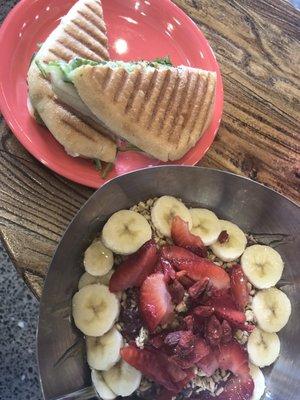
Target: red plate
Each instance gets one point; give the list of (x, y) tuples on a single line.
[(136, 30)]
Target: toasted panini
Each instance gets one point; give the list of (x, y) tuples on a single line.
[(163, 111), (82, 33)]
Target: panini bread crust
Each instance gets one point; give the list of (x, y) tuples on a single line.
[(81, 33), (162, 111)]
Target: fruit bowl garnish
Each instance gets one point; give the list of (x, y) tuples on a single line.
[(175, 304)]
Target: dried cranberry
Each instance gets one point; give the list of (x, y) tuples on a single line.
[(223, 237), (203, 311), (213, 331), (199, 251), (184, 280), (176, 291), (173, 338), (198, 288), (189, 322), (166, 268)]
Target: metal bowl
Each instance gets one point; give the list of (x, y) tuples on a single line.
[(256, 209)]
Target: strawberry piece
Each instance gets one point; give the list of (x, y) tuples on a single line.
[(182, 237), (237, 389), (186, 344), (201, 269), (226, 332), (213, 331), (134, 270), (176, 291), (154, 366), (225, 308), (176, 253), (209, 364), (155, 301), (198, 351), (233, 357), (239, 287)]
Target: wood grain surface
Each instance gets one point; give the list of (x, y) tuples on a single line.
[(257, 44)]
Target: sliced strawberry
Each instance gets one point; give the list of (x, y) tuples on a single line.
[(201, 269), (239, 287), (182, 237), (150, 364), (225, 308), (155, 301), (135, 269), (176, 253), (226, 332), (237, 389), (209, 364), (233, 357), (198, 351), (213, 331), (176, 290)]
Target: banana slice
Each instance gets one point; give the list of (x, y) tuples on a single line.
[(263, 347), (103, 352), (234, 246), (101, 387), (259, 382), (95, 309), (125, 232), (262, 265), (122, 379), (206, 225), (272, 309), (164, 210), (88, 279), (98, 260)]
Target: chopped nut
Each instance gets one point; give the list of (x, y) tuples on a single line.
[(181, 307)]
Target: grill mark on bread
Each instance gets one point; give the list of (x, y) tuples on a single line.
[(99, 36), (162, 92), (190, 106), (171, 99), (71, 49), (83, 48), (60, 55), (94, 10), (209, 103), (120, 85), (148, 94), (134, 92), (93, 21), (69, 122), (204, 93), (106, 78), (177, 112), (86, 41)]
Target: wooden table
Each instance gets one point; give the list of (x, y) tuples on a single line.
[(257, 45)]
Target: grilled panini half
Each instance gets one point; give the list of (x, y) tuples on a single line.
[(81, 33), (161, 109)]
